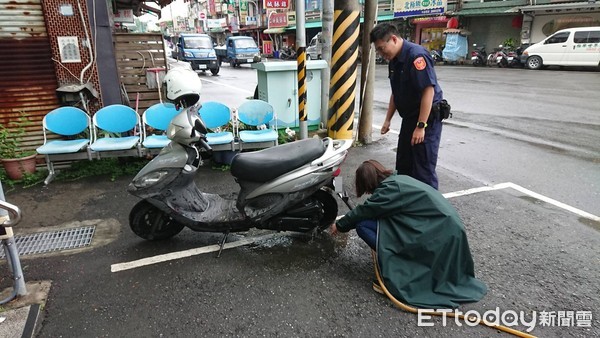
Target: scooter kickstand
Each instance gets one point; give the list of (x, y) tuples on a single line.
[(222, 243)]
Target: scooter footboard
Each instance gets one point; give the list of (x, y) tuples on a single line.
[(263, 207)]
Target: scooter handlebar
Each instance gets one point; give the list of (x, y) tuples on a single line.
[(204, 145)]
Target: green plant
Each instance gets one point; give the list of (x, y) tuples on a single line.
[(509, 43), (113, 167), (28, 180), (10, 139)]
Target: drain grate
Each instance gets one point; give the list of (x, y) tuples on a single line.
[(53, 241)]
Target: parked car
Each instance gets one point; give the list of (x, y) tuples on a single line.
[(314, 50), (238, 50), (567, 47), (198, 50)]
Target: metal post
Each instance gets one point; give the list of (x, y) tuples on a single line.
[(343, 68), (327, 36), (367, 76), (301, 62), (10, 247)]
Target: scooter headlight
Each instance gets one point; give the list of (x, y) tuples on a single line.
[(150, 179)]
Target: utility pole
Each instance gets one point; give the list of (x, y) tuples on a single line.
[(367, 76), (301, 61), (343, 68), (326, 36)]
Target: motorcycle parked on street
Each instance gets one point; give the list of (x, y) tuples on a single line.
[(499, 57), (436, 55), (287, 53), (516, 60), (478, 56), (289, 187)]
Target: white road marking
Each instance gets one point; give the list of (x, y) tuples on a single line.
[(228, 86), (186, 253), (212, 248), (528, 192), (475, 190)]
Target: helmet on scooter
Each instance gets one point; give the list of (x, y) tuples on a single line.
[(182, 86)]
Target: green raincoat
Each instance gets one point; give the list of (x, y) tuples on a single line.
[(422, 247)]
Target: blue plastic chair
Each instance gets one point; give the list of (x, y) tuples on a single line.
[(66, 122), (157, 117), (215, 115), (257, 113), (115, 120)]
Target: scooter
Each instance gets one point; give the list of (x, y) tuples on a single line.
[(501, 56), (289, 187), (478, 56), (287, 53), (436, 55)]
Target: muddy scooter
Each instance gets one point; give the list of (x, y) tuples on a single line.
[(289, 187)]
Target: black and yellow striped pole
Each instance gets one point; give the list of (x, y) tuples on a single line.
[(344, 54), (301, 61)]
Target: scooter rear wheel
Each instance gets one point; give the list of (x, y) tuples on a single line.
[(151, 223), (329, 208)]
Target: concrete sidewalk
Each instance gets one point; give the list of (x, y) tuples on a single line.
[(22, 316)]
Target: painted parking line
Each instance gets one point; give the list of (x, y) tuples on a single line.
[(186, 253), (213, 248), (528, 192)]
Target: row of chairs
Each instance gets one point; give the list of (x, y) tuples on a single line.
[(118, 130)]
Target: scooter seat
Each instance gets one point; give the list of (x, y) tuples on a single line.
[(267, 164)]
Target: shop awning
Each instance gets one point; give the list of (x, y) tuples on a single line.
[(276, 30), (505, 10), (318, 24), (576, 5)]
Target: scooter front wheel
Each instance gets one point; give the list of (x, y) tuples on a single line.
[(151, 223)]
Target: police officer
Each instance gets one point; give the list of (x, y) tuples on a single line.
[(415, 95)]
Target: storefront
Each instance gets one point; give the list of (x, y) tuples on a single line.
[(540, 21), (429, 31)]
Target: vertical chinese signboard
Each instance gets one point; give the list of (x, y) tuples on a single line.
[(406, 8), (211, 7), (267, 47)]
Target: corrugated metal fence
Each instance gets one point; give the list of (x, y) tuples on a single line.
[(27, 76)]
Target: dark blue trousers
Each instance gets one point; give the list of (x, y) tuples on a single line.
[(419, 161), (367, 231)]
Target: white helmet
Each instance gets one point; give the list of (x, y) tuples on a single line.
[(182, 86)]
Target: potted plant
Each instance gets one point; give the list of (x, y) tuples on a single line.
[(16, 161)]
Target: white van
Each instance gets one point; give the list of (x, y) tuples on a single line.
[(567, 47), (314, 50)]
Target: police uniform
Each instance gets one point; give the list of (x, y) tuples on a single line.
[(409, 73)]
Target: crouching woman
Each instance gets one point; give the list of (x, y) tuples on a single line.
[(422, 250)]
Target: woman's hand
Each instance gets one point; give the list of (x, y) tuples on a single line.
[(333, 230)]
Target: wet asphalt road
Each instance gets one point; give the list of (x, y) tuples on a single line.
[(533, 256)]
